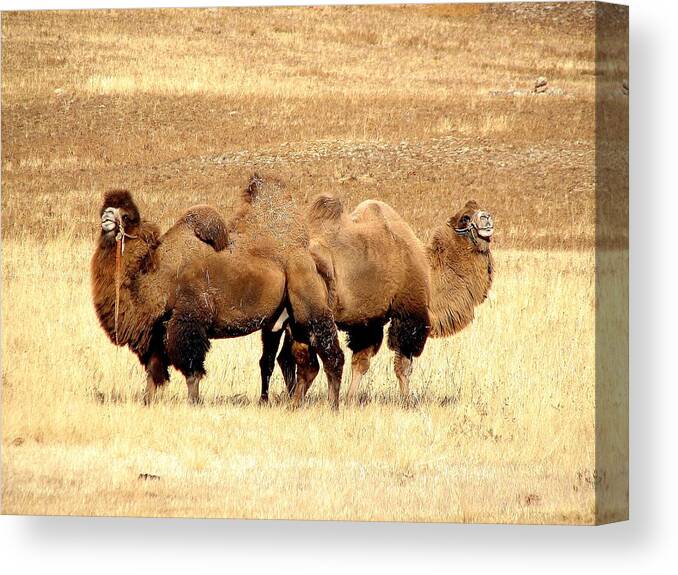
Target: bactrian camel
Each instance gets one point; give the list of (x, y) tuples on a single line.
[(134, 273), (265, 279), (165, 296), (378, 271)]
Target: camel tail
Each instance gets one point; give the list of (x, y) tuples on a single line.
[(207, 225), (325, 208)]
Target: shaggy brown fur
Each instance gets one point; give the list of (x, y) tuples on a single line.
[(461, 275), (267, 270), (150, 266), (381, 272)]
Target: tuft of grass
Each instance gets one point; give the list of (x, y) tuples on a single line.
[(489, 437)]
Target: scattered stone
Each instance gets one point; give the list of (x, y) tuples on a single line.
[(531, 499), (148, 477), (18, 441), (541, 85)]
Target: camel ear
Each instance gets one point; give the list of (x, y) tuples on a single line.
[(472, 204), (450, 222), (252, 190)]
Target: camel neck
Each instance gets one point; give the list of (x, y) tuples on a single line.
[(137, 302), (461, 276)]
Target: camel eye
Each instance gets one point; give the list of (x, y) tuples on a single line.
[(465, 220), (125, 218)]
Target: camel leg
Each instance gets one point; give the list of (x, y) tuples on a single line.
[(308, 299), (364, 342), (325, 341), (307, 366), (360, 364), (407, 336), (187, 346), (151, 388), (193, 384), (270, 341), (403, 370), (287, 364), (156, 374)]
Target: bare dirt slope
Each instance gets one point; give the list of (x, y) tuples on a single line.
[(423, 106)]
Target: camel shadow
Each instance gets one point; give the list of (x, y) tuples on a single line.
[(113, 397), (282, 400), (365, 399)]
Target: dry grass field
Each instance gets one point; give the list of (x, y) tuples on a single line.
[(421, 106)]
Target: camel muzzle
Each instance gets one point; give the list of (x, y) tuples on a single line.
[(484, 224), (110, 220), (481, 225)]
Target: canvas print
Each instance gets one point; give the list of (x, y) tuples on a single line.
[(340, 262)]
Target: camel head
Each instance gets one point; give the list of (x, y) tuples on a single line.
[(119, 214), (474, 225)]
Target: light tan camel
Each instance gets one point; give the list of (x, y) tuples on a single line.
[(378, 271)]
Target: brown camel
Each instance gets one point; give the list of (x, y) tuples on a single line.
[(379, 271), (267, 277), (148, 267)]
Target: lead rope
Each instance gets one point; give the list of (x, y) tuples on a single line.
[(119, 242), (119, 252)]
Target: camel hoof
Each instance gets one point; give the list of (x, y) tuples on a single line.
[(409, 402), (295, 404), (356, 400)]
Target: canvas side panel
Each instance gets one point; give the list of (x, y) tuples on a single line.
[(612, 270)]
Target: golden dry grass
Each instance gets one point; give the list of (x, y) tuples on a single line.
[(423, 107), (491, 438)]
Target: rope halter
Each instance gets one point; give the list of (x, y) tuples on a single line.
[(473, 230)]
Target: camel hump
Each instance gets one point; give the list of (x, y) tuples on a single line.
[(253, 189), (325, 208), (374, 210), (207, 225), (262, 186)]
